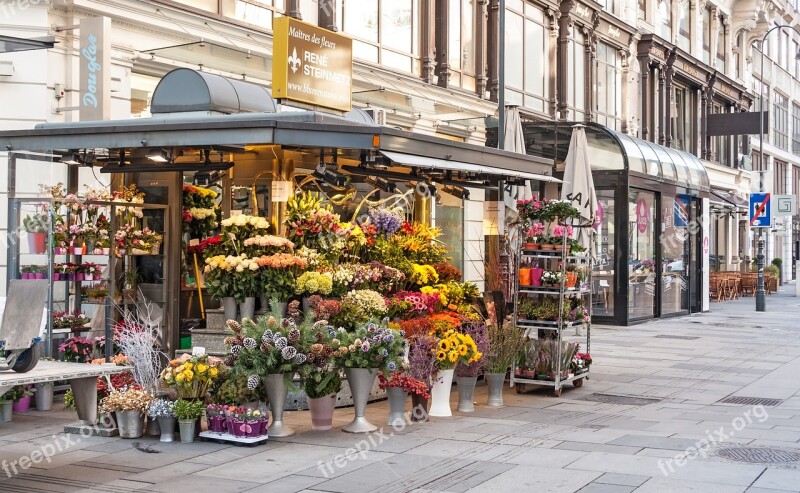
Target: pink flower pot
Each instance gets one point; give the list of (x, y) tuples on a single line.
[(56, 276), (536, 276), (106, 251), (264, 426), (77, 250), (239, 428), (38, 275), (22, 405), (253, 428), (79, 276), (88, 277), (60, 251)]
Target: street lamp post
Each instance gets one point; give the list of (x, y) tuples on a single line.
[(761, 295)]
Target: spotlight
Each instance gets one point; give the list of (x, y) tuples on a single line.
[(425, 189), (329, 176), (72, 159), (162, 156), (461, 193), (381, 183)]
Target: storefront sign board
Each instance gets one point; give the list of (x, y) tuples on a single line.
[(311, 65), (95, 69)]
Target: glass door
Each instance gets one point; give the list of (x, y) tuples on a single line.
[(641, 259), (676, 241)]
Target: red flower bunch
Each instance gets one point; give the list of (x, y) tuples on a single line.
[(587, 360), (323, 309), (205, 244), (415, 326), (420, 303), (447, 272), (118, 381), (408, 384)]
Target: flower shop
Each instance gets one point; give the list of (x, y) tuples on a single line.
[(317, 254)]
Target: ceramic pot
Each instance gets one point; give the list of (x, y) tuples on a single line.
[(22, 405), (44, 396), (264, 302), (79, 276), (361, 381), (525, 276), (187, 428), (37, 242), (419, 409), (284, 306), (306, 308), (440, 394), (230, 308), (548, 246), (248, 308), (277, 391), (322, 412), (466, 391), (166, 425), (6, 411), (130, 424), (397, 406), (107, 251), (571, 279), (77, 250), (495, 381), (536, 276)]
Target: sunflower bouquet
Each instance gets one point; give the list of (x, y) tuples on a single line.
[(454, 348), (192, 376)]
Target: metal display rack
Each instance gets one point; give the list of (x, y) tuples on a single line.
[(558, 330)]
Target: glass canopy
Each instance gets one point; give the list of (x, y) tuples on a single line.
[(614, 151)]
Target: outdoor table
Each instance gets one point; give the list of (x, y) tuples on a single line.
[(81, 376)]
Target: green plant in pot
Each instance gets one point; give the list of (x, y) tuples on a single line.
[(321, 388), (526, 308), (187, 412), (6, 405)]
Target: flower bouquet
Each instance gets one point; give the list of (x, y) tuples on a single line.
[(161, 408), (267, 245), (279, 272), (371, 345), (268, 346), (191, 376), (408, 383), (387, 221), (314, 283), (130, 399), (217, 420), (359, 306)]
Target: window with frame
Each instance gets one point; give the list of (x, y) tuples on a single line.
[(684, 21), (642, 10), (259, 12), (576, 83), (796, 129), (527, 60), (737, 57), (683, 119), (665, 20), (779, 177), (780, 121), (461, 42), (720, 145), (707, 36), (384, 32), (722, 46), (609, 86), (610, 6)]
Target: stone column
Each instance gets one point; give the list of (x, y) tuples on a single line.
[(428, 26), (564, 74), (441, 40), (663, 104), (646, 97), (493, 49), (480, 48), (293, 9), (552, 53)]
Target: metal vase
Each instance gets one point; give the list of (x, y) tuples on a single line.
[(230, 308), (152, 428), (284, 307), (495, 382), (440, 394), (322, 412), (466, 391), (277, 391), (419, 409), (397, 406), (187, 430), (167, 427), (6, 411), (44, 396), (247, 309), (130, 424), (361, 381)]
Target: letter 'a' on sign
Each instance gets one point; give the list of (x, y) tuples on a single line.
[(311, 65)]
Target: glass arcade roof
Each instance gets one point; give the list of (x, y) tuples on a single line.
[(614, 151)]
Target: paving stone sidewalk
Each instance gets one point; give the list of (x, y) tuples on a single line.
[(656, 391)]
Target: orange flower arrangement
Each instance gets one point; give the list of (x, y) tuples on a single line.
[(444, 321), (415, 326)]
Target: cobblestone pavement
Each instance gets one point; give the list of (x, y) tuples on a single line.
[(676, 434)]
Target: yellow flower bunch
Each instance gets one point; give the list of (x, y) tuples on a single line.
[(432, 291), (192, 375), (217, 262), (423, 274), (454, 348)]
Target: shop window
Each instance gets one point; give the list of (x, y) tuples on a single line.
[(684, 21), (780, 121), (796, 129), (707, 36), (527, 63), (576, 96), (684, 112), (461, 43), (722, 46), (309, 11), (384, 32), (665, 20), (675, 248), (259, 12), (641, 247), (603, 276), (609, 86), (450, 220)]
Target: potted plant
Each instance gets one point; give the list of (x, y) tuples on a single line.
[(192, 375), (551, 278), (571, 276), (504, 340), (467, 373), (162, 411), (322, 398), (533, 235), (187, 413), (36, 227), (215, 415), (130, 278), (421, 367), (278, 276), (311, 283), (6, 407), (398, 386), (453, 348), (21, 396), (526, 308), (130, 406)]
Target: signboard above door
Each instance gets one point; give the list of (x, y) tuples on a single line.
[(311, 65)]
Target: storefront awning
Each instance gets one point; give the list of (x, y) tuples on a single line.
[(10, 44), (727, 200), (614, 151), (440, 164)]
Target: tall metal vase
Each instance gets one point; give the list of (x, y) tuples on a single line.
[(361, 381), (277, 391), (152, 428), (397, 405), (167, 426), (466, 391), (440, 394), (247, 309), (495, 382), (230, 308), (130, 424)]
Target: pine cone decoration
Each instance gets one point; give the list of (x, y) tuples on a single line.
[(229, 361), (252, 382), (311, 357), (250, 343), (319, 324), (294, 335), (288, 352), (319, 337), (317, 348), (236, 349), (299, 358), (327, 351), (266, 347), (281, 342), (235, 326), (229, 341), (267, 336), (285, 323), (272, 322)]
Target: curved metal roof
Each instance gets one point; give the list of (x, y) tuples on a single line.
[(614, 151), (184, 90)]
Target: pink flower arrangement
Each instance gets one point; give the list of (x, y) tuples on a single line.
[(561, 231), (281, 261)]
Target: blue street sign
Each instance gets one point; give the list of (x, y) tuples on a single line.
[(760, 213)]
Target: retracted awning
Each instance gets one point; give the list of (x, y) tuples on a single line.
[(441, 164), (727, 200)]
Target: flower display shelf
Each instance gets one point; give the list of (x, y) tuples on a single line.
[(213, 436), (554, 262)]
